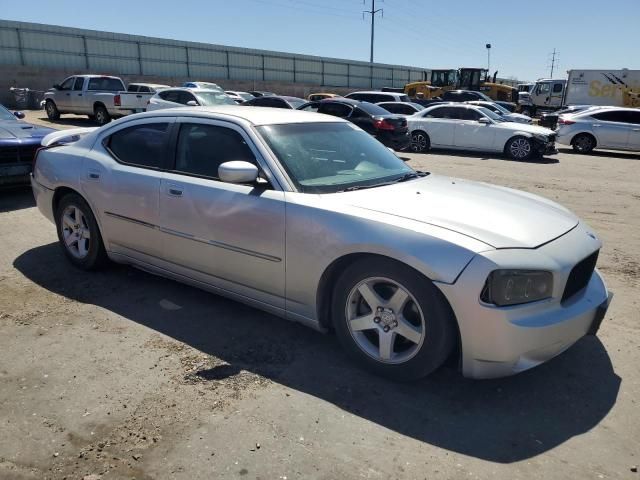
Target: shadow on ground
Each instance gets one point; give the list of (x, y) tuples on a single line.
[(16, 198), (503, 420), (604, 153), (490, 156)]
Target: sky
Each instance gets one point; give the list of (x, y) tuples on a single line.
[(421, 33)]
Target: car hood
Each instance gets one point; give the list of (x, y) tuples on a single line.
[(526, 128), (498, 216), (12, 130), (517, 117)]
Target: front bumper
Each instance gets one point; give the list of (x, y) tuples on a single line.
[(17, 174), (502, 341), (545, 148)]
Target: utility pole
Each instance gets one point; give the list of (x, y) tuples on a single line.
[(553, 62), (373, 12), (488, 45)]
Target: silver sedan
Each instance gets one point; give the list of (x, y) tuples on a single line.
[(307, 217)]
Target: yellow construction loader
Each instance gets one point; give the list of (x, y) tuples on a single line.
[(462, 79)]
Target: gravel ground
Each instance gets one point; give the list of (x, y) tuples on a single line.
[(120, 374)]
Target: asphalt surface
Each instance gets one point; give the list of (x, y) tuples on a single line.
[(120, 374)]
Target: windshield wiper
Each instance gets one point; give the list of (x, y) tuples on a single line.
[(403, 178)]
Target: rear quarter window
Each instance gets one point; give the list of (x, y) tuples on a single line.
[(141, 145)]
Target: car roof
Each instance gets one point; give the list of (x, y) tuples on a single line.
[(192, 90), (600, 109), (253, 115), (378, 92), (350, 101)]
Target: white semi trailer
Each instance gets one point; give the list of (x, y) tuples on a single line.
[(584, 87)]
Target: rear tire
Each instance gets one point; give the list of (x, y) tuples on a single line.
[(101, 115), (78, 233), (583, 143), (420, 141), (392, 320), (52, 110), (519, 148)]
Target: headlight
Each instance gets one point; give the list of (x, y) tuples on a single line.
[(542, 138), (513, 287)]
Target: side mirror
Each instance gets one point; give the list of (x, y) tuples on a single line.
[(484, 121), (19, 115), (56, 86), (192, 103), (238, 172)]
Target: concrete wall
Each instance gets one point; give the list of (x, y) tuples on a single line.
[(43, 78)]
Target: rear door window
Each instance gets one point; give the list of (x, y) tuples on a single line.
[(617, 116), (143, 145), (185, 97), (132, 88), (169, 95), (336, 109)]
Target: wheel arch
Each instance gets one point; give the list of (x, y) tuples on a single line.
[(97, 104), (585, 132), (63, 190), (324, 296)]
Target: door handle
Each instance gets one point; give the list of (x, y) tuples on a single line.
[(636, 129), (174, 190), (79, 94), (597, 125), (68, 94), (138, 96)]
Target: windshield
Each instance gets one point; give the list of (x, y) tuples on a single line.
[(499, 107), (492, 115), (332, 157), (6, 114), (214, 98), (245, 96)]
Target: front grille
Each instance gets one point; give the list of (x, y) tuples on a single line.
[(580, 276), (22, 154)]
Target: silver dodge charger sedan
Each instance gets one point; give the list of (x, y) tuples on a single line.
[(308, 217)]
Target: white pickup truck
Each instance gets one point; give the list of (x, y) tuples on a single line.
[(99, 96)]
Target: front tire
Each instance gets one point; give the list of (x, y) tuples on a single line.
[(519, 148), (420, 141), (391, 320), (583, 143), (78, 233), (52, 110)]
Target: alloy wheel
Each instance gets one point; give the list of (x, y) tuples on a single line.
[(385, 320), (520, 148), (75, 231), (418, 142)]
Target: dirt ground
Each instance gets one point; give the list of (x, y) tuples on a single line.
[(120, 374)]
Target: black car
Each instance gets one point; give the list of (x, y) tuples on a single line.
[(464, 96), (390, 129), (550, 119), (275, 101)]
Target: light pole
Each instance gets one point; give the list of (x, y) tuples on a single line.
[(488, 58)]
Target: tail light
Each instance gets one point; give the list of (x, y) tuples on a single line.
[(564, 121), (383, 124), (117, 101)]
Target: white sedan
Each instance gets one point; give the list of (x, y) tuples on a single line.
[(188, 97), (613, 128), (468, 127)]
